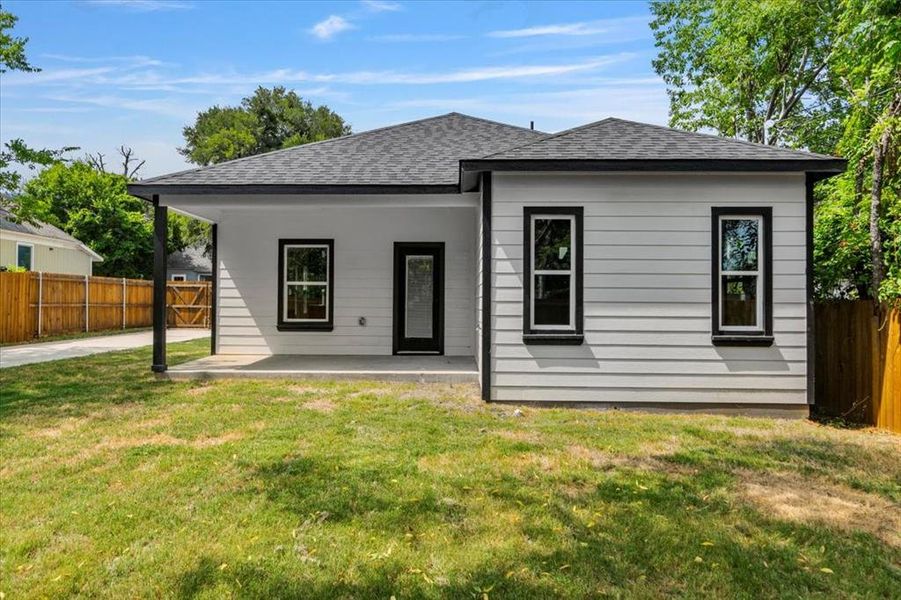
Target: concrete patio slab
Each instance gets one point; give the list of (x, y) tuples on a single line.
[(452, 369)]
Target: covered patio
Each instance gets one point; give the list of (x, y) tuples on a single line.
[(420, 368)]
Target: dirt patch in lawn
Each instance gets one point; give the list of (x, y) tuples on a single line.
[(529, 437), (199, 390), (64, 427), (794, 498), (462, 397), (309, 389), (650, 457), (320, 405), (163, 439)]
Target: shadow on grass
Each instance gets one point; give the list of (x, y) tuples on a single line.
[(109, 378), (627, 531), (659, 537)]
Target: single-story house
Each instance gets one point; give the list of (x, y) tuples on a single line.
[(190, 264), (42, 247), (615, 264)]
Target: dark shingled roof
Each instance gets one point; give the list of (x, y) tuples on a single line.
[(618, 139), (7, 223), (191, 258), (425, 152), (429, 153)]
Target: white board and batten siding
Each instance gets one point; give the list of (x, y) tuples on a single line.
[(364, 275), (647, 269)]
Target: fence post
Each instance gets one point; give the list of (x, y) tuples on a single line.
[(40, 295), (87, 305), (124, 296)]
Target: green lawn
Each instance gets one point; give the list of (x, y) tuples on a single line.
[(116, 485)]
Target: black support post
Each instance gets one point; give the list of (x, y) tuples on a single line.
[(160, 221), (810, 181), (214, 287), (486, 286)]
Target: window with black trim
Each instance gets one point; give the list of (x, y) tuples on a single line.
[(552, 269), (306, 273), (25, 256), (742, 283)]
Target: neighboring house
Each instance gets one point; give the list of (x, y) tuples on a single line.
[(617, 263), (190, 264), (43, 247)]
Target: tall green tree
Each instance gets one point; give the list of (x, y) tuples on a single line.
[(12, 48), (749, 69), (270, 119), (866, 65), (814, 75), (96, 208), (12, 58)]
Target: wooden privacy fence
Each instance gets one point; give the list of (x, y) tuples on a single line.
[(34, 305), (858, 363)]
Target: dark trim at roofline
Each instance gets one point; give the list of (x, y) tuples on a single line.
[(821, 168), (834, 166), (146, 191)]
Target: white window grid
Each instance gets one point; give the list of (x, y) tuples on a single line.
[(758, 273), (288, 283), (571, 271)]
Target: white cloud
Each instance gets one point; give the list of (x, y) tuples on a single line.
[(415, 37), (328, 28), (55, 76), (137, 60), (162, 106), (127, 78), (572, 29), (381, 6), (640, 99), (144, 5), (283, 76)]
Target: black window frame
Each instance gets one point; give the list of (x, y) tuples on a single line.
[(326, 325), (563, 336), (719, 336)]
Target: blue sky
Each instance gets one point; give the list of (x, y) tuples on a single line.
[(134, 72)]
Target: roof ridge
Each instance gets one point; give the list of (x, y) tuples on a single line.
[(721, 137), (550, 137), (308, 144), (493, 122)]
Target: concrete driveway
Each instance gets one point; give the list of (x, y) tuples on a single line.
[(14, 356)]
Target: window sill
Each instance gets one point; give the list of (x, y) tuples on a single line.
[(553, 339), (305, 326), (742, 340)]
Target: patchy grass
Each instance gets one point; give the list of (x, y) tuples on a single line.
[(116, 485)]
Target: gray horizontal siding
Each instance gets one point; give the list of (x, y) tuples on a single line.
[(647, 292), (364, 254)]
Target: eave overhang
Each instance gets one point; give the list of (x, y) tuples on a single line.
[(827, 167), (147, 191)]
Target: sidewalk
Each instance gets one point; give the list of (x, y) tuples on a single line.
[(25, 354)]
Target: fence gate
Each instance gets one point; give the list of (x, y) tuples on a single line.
[(188, 303)]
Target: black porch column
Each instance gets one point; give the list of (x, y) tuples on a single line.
[(214, 287), (160, 222)]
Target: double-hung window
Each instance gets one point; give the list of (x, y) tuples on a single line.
[(742, 298), (25, 256), (306, 284), (552, 282)]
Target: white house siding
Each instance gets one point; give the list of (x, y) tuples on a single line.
[(364, 275), (48, 255), (647, 292)]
